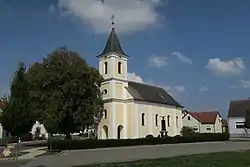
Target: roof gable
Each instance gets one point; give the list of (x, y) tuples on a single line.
[(238, 108), (151, 93)]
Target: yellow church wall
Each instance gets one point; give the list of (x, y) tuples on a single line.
[(123, 67), (112, 68), (130, 120), (106, 121), (150, 110), (119, 90), (119, 113), (107, 87)]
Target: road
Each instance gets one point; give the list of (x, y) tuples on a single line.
[(125, 154), (11, 163)]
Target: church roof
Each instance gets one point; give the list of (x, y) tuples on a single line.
[(112, 45), (144, 92)]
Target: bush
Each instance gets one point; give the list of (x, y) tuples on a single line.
[(91, 144), (149, 136), (187, 131)]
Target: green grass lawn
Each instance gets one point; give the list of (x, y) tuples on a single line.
[(225, 159)]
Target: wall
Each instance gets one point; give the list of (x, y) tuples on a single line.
[(193, 123), (233, 131), (150, 110), (218, 125)]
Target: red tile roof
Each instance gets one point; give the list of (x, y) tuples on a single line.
[(207, 117)]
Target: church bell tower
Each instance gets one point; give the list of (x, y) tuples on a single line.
[(113, 68)]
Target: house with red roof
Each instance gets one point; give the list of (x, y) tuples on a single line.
[(203, 122)]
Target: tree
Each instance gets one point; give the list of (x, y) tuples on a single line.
[(187, 131), (247, 120), (64, 92), (17, 117)]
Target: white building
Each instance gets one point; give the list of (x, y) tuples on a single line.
[(236, 118)]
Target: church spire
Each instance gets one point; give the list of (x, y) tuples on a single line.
[(113, 44)]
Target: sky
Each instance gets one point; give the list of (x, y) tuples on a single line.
[(198, 51)]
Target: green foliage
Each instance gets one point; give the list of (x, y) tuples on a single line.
[(247, 120), (187, 131), (91, 144), (17, 117), (64, 92)]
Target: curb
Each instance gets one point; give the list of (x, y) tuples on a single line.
[(7, 159)]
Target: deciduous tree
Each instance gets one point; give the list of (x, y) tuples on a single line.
[(64, 92)]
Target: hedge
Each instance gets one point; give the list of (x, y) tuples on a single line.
[(91, 143)]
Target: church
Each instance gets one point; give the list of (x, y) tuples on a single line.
[(131, 109)]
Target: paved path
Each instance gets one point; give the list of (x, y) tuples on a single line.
[(122, 154)]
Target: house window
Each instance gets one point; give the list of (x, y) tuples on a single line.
[(168, 120), (156, 120), (189, 118), (105, 67), (177, 123), (208, 128), (143, 119), (105, 114), (119, 67), (240, 125)]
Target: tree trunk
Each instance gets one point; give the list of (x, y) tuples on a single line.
[(50, 141), (68, 136)]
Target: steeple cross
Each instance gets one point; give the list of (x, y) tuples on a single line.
[(113, 19)]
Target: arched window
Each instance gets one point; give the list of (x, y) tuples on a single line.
[(143, 119), (177, 121), (105, 67), (105, 114), (119, 67), (156, 119), (168, 120)]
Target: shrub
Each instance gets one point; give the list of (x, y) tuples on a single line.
[(149, 136), (187, 131), (91, 144), (27, 137)]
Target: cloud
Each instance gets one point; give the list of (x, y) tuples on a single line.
[(182, 58), (243, 84), (173, 90), (133, 77), (158, 61), (203, 89), (52, 9), (161, 61), (226, 68), (132, 15)]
